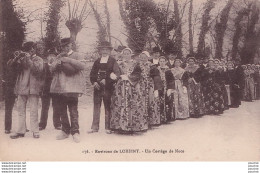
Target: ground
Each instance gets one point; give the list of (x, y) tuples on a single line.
[(233, 136)]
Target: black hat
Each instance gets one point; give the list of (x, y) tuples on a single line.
[(156, 49), (28, 46), (105, 44), (65, 41)]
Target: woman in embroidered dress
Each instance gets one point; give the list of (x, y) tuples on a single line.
[(191, 80), (162, 93), (129, 102), (153, 88), (181, 102), (257, 81), (249, 91), (212, 91), (220, 79)]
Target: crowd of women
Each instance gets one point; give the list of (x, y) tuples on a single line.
[(157, 89)]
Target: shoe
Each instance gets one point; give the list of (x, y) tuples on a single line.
[(7, 131), (58, 128), (16, 136), (92, 131), (76, 138), (62, 136), (36, 135), (41, 128)]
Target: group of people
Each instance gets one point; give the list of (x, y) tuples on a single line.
[(32, 76), (139, 90)]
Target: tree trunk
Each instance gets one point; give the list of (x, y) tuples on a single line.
[(190, 27), (220, 29), (178, 29), (73, 37), (108, 21), (250, 44), (210, 4), (237, 33), (102, 33)]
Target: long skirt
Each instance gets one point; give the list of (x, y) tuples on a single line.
[(213, 98), (129, 107), (196, 103), (181, 101), (153, 107), (225, 95), (235, 95), (249, 90)]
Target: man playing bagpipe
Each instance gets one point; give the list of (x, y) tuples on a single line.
[(67, 85)]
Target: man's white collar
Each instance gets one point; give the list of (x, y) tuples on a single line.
[(156, 61), (104, 59)]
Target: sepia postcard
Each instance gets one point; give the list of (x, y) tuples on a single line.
[(130, 80)]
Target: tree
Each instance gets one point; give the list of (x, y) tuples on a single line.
[(178, 29), (52, 37), (238, 31), (209, 5), (103, 31), (220, 29), (250, 47), (76, 18), (190, 28), (136, 16), (12, 30), (164, 24)]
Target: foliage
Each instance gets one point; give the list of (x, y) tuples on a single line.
[(209, 5), (251, 42), (12, 27), (52, 37), (12, 34), (220, 29), (137, 15), (103, 32)]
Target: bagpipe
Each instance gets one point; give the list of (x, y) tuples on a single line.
[(19, 56), (65, 67)]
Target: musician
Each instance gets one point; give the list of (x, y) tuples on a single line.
[(103, 75), (9, 84), (67, 85), (46, 96), (28, 88)]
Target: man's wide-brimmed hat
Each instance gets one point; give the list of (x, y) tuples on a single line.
[(28, 46), (65, 41), (105, 44)]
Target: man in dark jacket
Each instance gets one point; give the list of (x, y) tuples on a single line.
[(155, 56), (241, 81), (9, 84), (46, 96), (172, 55), (103, 75)]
